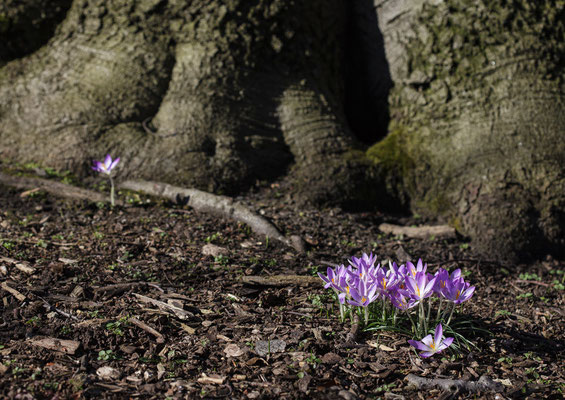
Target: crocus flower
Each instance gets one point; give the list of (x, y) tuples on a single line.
[(420, 267), (402, 302), (458, 291), (107, 166), (368, 260), (432, 345), (363, 294), (420, 287)]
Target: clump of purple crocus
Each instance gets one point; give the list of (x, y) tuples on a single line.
[(432, 345), (399, 288), (106, 168)]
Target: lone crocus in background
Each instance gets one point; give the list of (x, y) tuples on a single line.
[(106, 167), (432, 345)]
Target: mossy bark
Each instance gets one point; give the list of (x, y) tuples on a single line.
[(208, 94), (478, 118)]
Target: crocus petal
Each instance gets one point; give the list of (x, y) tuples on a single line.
[(427, 354), (107, 161), (114, 163), (418, 345), (447, 342), (438, 335), (428, 341)]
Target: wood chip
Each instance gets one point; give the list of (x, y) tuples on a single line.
[(211, 379), (20, 265), (12, 291), (62, 345), (419, 232)]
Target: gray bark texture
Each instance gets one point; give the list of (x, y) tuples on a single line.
[(220, 94), (477, 118)]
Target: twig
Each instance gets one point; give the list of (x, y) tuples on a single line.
[(484, 384), (148, 329), (52, 308), (222, 206), (13, 291), (179, 312)]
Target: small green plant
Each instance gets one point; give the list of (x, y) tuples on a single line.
[(107, 355), (98, 235), (524, 296), (66, 329), (8, 245), (116, 327), (313, 360), (505, 360), (215, 237), (464, 246), (504, 313), (222, 260), (529, 277), (33, 320)]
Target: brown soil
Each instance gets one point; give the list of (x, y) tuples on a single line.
[(72, 270)]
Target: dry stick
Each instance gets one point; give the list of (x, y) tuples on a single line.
[(53, 187), (148, 329), (484, 384), (218, 205)]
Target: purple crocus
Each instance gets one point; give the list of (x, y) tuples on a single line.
[(402, 302), (419, 287), (457, 291), (363, 294), (107, 166), (432, 345)]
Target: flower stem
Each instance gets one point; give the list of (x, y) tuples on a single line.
[(450, 315), (111, 191)]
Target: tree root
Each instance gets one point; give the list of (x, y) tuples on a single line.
[(222, 206), (53, 187), (484, 384), (218, 205)]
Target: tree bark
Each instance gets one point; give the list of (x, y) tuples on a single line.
[(477, 110), (210, 95)]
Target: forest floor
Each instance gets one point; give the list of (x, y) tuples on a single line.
[(133, 302)]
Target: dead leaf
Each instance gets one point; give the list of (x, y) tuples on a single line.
[(233, 350), (108, 373)]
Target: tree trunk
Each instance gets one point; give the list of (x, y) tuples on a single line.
[(204, 94), (477, 110)]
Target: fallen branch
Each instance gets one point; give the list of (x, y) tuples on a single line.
[(420, 232), (280, 280), (484, 384), (53, 187), (218, 205)]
